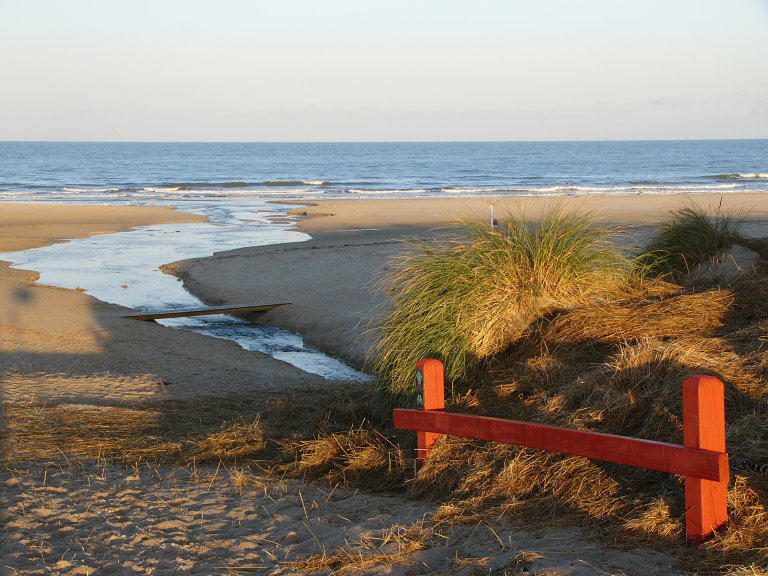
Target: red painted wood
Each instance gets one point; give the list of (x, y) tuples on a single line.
[(432, 398), (704, 428), (672, 458), (434, 387)]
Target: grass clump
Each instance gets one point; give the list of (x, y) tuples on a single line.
[(359, 456), (689, 236), (235, 441), (465, 298)]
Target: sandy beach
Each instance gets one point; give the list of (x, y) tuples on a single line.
[(331, 279), (70, 356)]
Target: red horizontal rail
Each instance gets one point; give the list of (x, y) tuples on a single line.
[(672, 458)]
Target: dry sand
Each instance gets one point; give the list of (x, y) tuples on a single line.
[(332, 215), (107, 520), (89, 517), (25, 226)]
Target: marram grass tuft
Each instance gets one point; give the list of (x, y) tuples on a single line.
[(688, 237), (465, 298)]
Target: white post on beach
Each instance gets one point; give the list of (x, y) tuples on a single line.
[(491, 207)]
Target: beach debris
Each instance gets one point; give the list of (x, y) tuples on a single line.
[(80, 289), (124, 286), (726, 265)]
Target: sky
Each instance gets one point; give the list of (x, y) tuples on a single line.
[(367, 70)]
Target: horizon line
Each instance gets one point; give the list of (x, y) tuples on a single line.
[(62, 141)]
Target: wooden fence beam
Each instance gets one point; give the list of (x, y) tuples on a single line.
[(650, 454), (206, 311)]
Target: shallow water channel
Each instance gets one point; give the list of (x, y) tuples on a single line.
[(124, 268)]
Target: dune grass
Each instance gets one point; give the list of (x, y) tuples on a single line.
[(689, 236), (463, 299)]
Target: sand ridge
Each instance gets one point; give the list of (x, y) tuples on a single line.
[(635, 211), (24, 226)]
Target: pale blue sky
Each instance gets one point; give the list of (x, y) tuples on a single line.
[(394, 70)]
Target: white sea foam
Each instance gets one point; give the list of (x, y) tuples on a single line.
[(404, 192), (176, 193), (93, 190)]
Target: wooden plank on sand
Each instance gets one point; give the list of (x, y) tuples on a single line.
[(181, 313)]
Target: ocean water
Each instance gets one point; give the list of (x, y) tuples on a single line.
[(126, 172)]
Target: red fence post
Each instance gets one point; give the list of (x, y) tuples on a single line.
[(430, 390), (704, 428)]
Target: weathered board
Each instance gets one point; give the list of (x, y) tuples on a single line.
[(181, 313)]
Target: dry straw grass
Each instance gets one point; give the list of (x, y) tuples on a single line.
[(360, 456), (235, 429), (390, 549), (37, 430)]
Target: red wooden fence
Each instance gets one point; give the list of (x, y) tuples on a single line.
[(702, 459)]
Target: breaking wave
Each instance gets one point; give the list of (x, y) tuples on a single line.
[(743, 176), (238, 184)]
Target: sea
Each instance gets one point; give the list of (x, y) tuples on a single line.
[(140, 172), (234, 186)]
